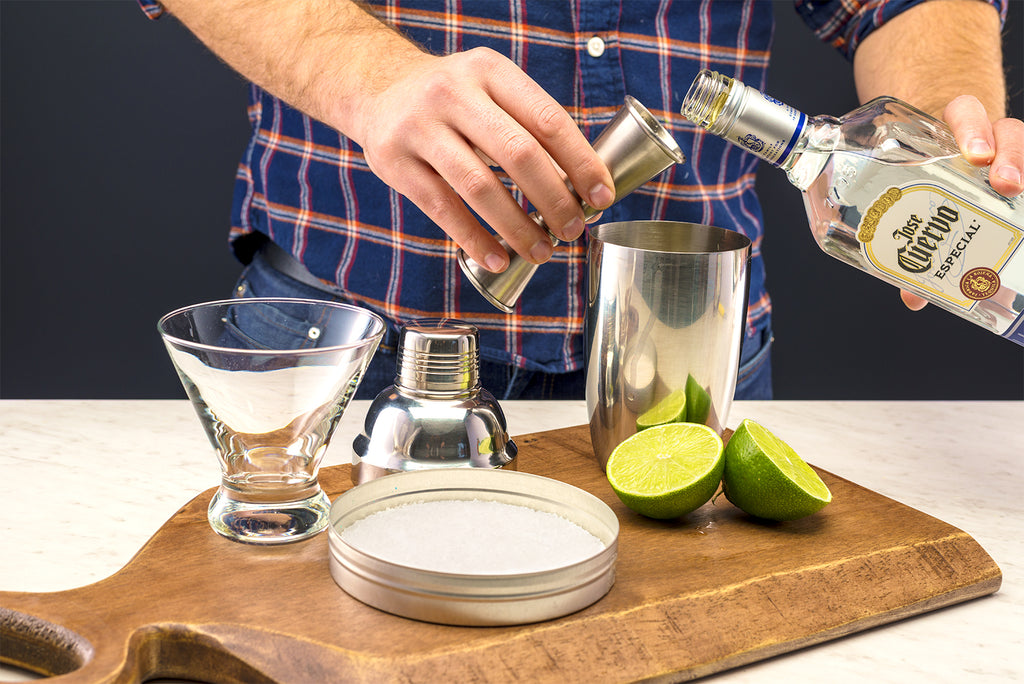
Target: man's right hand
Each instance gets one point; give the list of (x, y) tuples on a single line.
[(431, 132)]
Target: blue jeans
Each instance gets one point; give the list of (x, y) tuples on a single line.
[(261, 279)]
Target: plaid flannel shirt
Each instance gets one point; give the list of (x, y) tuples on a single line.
[(310, 190)]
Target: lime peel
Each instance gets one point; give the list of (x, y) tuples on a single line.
[(765, 477)]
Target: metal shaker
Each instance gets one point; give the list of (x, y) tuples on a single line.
[(666, 302), (436, 414)]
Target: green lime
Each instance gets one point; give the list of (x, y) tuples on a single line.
[(765, 478), (698, 402), (671, 409), (667, 470)]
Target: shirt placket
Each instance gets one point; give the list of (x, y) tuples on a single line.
[(600, 59)]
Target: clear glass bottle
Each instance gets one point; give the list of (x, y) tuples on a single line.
[(886, 190)]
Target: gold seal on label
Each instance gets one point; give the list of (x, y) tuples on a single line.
[(979, 283), (869, 224)]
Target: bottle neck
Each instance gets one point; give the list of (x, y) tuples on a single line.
[(745, 117)]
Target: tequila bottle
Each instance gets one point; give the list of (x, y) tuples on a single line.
[(886, 190)]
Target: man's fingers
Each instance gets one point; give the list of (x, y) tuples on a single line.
[(526, 161), (443, 206), (550, 124), (463, 169), (470, 111), (912, 301), (1007, 167), (999, 145), (969, 122)]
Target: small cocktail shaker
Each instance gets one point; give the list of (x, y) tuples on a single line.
[(436, 415)]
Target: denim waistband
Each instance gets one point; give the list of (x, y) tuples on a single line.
[(282, 261), (263, 277)]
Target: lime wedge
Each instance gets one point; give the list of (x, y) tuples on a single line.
[(767, 479), (698, 402), (671, 409), (667, 470)]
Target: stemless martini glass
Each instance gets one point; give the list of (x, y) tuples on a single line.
[(269, 404)]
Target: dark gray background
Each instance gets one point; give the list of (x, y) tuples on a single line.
[(120, 138)]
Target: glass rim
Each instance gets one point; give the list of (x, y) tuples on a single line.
[(190, 344)]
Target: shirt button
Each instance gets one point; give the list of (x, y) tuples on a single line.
[(595, 46)]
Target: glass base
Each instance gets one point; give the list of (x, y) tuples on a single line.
[(268, 523)]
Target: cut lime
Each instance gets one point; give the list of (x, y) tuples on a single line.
[(671, 409), (667, 470), (767, 479), (698, 402)]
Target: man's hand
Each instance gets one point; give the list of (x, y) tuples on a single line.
[(945, 57), (432, 132), (998, 145)]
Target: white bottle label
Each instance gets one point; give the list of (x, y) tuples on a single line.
[(926, 236)]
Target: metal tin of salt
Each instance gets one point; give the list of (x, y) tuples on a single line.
[(479, 595)]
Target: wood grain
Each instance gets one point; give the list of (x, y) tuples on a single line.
[(710, 591)]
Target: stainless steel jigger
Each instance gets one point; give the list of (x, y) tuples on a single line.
[(635, 147), (436, 415)]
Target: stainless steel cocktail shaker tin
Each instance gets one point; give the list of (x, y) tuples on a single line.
[(666, 304)]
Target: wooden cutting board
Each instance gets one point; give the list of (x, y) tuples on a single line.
[(702, 594)]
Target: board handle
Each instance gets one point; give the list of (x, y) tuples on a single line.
[(42, 647), (155, 651)]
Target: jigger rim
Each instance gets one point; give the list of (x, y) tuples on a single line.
[(379, 327), (481, 287), (654, 129)]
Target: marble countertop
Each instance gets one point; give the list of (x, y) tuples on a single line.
[(86, 483)]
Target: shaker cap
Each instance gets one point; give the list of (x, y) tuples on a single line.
[(438, 355)]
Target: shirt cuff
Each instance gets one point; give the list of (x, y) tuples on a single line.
[(843, 24), (153, 9)]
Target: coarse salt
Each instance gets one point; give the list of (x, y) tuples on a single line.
[(472, 537)]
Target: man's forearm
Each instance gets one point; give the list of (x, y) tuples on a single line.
[(934, 52), (320, 56)]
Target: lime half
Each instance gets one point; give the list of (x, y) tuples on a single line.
[(767, 479), (667, 470), (671, 409)]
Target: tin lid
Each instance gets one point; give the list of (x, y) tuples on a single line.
[(468, 598), (438, 355)]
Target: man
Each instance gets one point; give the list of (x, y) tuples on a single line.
[(387, 135)]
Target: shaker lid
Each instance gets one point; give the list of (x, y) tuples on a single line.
[(438, 355)]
